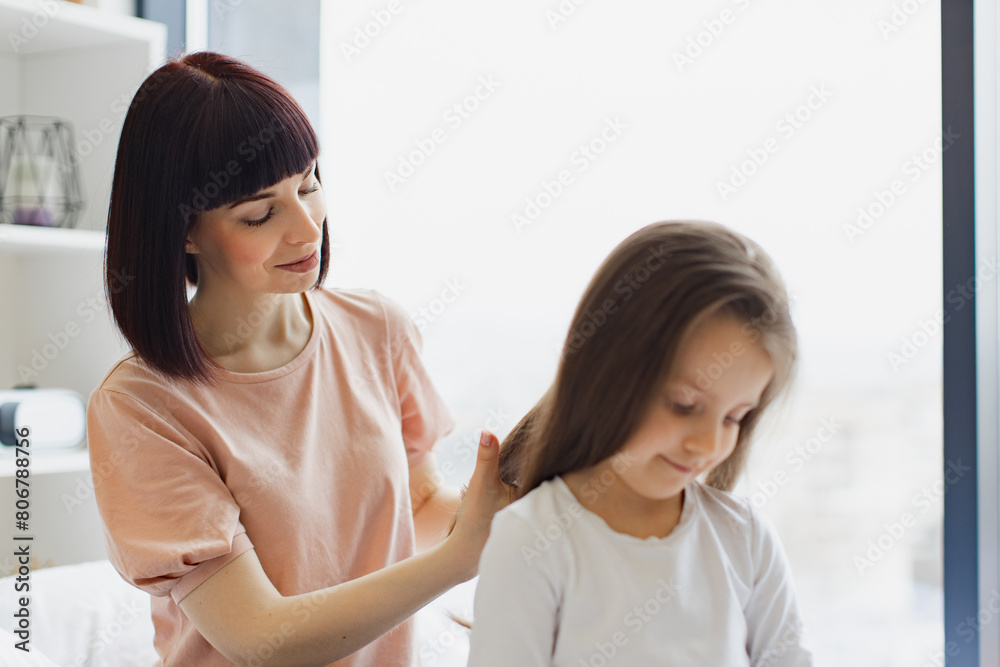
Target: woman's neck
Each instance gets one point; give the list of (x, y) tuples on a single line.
[(252, 334)]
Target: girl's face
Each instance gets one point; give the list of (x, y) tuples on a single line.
[(692, 424), (257, 245)]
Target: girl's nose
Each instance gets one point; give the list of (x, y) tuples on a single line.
[(703, 441)]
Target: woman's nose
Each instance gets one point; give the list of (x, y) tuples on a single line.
[(305, 228)]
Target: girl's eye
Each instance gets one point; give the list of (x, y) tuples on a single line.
[(309, 192), (736, 421), (682, 409), (261, 221)]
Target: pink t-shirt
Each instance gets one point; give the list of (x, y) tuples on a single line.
[(307, 464)]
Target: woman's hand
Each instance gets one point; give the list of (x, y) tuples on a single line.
[(486, 495)]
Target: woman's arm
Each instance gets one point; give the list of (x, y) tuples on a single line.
[(434, 506), (242, 615)]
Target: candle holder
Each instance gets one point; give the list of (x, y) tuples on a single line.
[(39, 179)]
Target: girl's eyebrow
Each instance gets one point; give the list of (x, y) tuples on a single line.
[(269, 193), (688, 383)]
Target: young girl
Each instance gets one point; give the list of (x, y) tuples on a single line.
[(615, 552)]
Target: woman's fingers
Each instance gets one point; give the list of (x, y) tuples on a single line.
[(486, 495), (487, 462), (485, 487), (488, 465)]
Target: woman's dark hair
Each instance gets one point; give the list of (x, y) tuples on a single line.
[(624, 337), (203, 131)]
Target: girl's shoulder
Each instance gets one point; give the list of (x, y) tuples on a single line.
[(549, 498), (536, 527), (550, 509), (552, 500), (723, 510), (721, 502), (737, 520)]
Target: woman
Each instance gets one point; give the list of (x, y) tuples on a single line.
[(269, 440)]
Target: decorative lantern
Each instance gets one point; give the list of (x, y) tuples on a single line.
[(39, 183)]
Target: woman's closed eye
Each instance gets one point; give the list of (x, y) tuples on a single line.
[(270, 211), (261, 221)]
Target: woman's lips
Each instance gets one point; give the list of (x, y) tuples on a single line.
[(307, 263)]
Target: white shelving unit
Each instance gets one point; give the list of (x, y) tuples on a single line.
[(83, 64), (19, 241)]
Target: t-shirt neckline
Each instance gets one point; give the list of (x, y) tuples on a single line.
[(318, 322), (687, 512)]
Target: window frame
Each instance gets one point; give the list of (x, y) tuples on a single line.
[(971, 538)]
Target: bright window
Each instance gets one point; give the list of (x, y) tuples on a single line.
[(480, 161)]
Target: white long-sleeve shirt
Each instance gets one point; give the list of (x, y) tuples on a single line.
[(558, 587)]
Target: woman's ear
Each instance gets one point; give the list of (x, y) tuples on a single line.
[(190, 238), (189, 244)]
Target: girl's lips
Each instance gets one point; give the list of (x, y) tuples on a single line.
[(303, 265), (678, 466)]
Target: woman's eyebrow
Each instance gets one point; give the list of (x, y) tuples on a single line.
[(269, 193)]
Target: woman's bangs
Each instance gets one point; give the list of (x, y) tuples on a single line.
[(247, 146)]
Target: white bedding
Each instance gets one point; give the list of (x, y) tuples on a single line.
[(86, 616)]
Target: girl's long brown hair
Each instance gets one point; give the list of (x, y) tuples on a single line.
[(624, 337)]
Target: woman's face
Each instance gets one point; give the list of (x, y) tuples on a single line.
[(257, 245)]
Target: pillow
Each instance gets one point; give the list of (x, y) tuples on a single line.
[(12, 656), (85, 614)]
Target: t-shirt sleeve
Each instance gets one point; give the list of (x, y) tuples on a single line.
[(516, 607), (424, 414), (774, 627), (169, 520)]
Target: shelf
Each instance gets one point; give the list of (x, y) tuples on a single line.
[(55, 25), (47, 461), (25, 239)]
